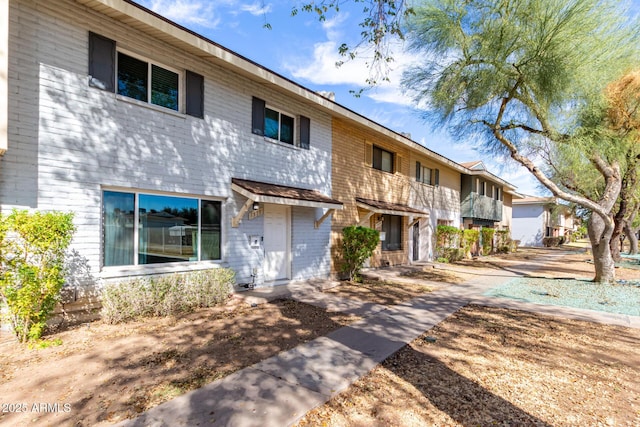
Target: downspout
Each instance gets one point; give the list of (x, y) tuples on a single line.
[(4, 76)]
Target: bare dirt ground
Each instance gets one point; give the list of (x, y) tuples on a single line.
[(491, 366), (106, 373), (378, 292), (486, 364)]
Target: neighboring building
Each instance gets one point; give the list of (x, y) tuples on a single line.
[(392, 184), (486, 199), (535, 218)]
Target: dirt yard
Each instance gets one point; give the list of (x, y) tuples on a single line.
[(491, 366), (105, 373), (486, 365)]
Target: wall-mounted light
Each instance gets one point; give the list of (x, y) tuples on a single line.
[(256, 206)]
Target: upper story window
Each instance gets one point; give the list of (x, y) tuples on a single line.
[(427, 175), (275, 124), (278, 126), (483, 188), (117, 71), (148, 82), (382, 159)]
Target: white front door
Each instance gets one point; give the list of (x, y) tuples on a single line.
[(276, 242)]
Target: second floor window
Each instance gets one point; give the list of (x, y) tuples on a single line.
[(423, 174), (382, 160), (148, 82), (278, 126)]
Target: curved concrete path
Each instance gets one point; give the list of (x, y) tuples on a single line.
[(280, 390)]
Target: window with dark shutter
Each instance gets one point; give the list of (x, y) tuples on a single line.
[(305, 132), (195, 94), (436, 178), (102, 62), (418, 171), (257, 116)]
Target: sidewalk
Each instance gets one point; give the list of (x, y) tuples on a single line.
[(280, 390)]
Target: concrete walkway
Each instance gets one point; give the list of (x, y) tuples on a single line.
[(280, 390)]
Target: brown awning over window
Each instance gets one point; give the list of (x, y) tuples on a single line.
[(379, 207), (283, 195)]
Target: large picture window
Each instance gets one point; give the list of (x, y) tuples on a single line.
[(392, 227), (148, 82), (152, 229)]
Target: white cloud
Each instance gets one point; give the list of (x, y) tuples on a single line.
[(257, 8), (320, 67), (186, 12)]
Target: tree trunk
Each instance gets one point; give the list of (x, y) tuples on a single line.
[(632, 236), (616, 246), (600, 232)]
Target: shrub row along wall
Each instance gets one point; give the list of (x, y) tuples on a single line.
[(166, 295)]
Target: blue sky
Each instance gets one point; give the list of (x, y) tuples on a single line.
[(305, 50)]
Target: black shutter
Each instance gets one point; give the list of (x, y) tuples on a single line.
[(257, 116), (195, 94), (305, 132), (436, 178), (102, 62), (418, 170)]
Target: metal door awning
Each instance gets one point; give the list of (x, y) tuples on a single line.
[(262, 192), (386, 208)]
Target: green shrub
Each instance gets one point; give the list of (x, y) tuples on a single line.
[(447, 237), (358, 244), (469, 238), (166, 295), (32, 251), (487, 239)]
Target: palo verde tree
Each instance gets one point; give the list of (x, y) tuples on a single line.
[(612, 131), (623, 118), (514, 74)]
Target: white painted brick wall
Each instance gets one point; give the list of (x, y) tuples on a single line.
[(67, 140)]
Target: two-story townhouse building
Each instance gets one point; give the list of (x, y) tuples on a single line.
[(392, 184), (535, 218), (404, 190), (173, 153), (177, 154)]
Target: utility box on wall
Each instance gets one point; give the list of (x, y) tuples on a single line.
[(254, 242)]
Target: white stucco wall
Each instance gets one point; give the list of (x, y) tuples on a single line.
[(68, 141), (528, 224)]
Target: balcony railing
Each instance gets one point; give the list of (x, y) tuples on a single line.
[(482, 207)]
